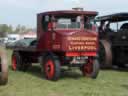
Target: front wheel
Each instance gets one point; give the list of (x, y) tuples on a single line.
[(16, 61), (52, 68), (91, 69)]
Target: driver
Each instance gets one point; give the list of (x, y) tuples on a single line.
[(101, 27), (107, 28)]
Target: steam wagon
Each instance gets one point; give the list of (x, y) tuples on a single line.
[(64, 38), (113, 40)]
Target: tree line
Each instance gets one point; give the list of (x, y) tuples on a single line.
[(9, 29)]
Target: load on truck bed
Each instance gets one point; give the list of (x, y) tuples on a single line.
[(64, 38)]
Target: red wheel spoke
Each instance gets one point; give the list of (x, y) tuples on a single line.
[(49, 69)]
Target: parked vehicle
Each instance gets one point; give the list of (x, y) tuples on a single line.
[(64, 38), (11, 38), (22, 42), (113, 40)]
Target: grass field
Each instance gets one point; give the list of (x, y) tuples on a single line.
[(32, 83)]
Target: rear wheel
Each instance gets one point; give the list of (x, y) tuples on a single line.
[(105, 54), (91, 69), (52, 68), (3, 69), (18, 62)]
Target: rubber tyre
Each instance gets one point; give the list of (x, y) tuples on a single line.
[(3, 69), (105, 54), (91, 69), (18, 63), (52, 68)]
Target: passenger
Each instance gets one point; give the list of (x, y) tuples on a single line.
[(107, 28), (87, 23), (52, 23), (101, 27), (102, 33)]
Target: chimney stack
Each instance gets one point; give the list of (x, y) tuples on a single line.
[(78, 9)]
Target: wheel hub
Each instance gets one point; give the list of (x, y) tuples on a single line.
[(49, 68)]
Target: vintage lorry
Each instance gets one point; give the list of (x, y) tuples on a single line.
[(64, 38), (113, 40), (3, 68)]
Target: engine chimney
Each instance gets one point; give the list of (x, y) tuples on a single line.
[(78, 9)]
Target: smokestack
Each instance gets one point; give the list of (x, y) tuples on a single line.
[(78, 9)]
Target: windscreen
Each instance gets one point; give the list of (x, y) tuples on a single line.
[(74, 22)]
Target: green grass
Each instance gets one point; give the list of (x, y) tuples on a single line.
[(33, 83)]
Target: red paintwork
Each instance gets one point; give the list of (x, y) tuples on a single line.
[(57, 40), (59, 13), (40, 31), (80, 54), (46, 40)]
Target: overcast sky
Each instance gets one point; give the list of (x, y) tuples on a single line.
[(24, 11)]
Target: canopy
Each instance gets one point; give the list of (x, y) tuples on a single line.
[(114, 17)]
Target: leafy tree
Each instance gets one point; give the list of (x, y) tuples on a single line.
[(3, 30), (10, 29), (17, 30)]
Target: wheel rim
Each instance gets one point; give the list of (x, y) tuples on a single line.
[(49, 69), (14, 62), (88, 68)]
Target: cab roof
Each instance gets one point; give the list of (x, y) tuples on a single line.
[(117, 17), (70, 12)]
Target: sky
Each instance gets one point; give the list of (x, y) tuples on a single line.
[(24, 12)]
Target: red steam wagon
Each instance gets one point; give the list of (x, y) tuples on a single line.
[(64, 38)]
